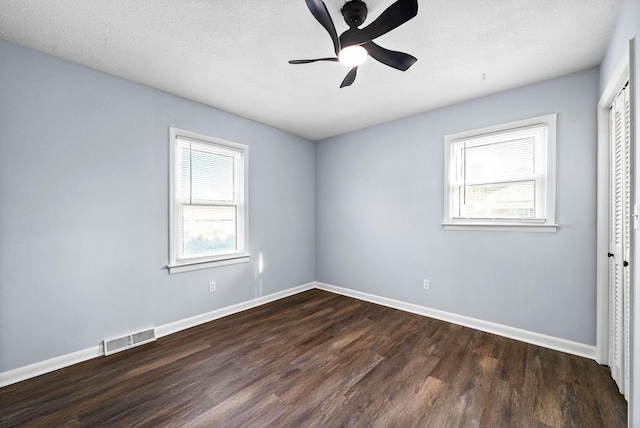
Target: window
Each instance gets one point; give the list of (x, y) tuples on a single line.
[(208, 214), (502, 177)]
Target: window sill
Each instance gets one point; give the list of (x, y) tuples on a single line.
[(187, 267), (502, 227)]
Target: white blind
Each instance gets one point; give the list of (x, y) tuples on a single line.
[(498, 161), (212, 177)]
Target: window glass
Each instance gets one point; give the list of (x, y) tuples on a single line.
[(501, 176)]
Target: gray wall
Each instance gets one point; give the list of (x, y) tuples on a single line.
[(84, 217), (628, 27), (83, 222), (380, 207)]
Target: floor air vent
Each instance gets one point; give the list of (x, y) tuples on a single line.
[(125, 342)]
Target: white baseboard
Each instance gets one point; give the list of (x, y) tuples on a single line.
[(550, 342), (22, 373), (575, 348), (27, 372)]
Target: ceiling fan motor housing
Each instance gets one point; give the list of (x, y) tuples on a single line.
[(354, 12)]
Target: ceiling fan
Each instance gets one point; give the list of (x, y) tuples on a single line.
[(354, 45)]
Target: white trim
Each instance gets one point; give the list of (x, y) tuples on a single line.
[(632, 416), (499, 227), (22, 373), (42, 367), (240, 153), (550, 342), (188, 267), (618, 79)]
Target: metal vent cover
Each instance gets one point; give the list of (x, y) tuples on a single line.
[(118, 344)]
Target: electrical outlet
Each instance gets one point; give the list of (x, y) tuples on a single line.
[(212, 286), (427, 284)]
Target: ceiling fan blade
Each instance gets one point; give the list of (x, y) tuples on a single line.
[(398, 60), (319, 10), (351, 76), (394, 16), (307, 61)]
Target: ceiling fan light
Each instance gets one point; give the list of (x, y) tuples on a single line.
[(353, 56)]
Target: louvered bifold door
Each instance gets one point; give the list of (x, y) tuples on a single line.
[(620, 241)]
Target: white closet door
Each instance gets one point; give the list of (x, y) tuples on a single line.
[(620, 241)]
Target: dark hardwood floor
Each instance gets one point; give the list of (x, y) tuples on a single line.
[(322, 360)]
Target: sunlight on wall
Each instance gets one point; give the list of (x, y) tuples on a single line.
[(258, 276)]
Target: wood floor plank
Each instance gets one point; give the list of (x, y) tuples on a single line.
[(467, 392), (543, 372), (504, 402), (317, 359)]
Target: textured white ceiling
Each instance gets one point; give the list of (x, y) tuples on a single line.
[(233, 54)]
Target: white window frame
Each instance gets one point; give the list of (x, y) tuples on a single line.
[(546, 205), (240, 152)]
